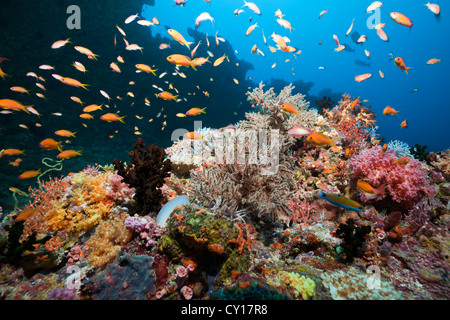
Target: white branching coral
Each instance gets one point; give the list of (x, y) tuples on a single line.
[(249, 166)]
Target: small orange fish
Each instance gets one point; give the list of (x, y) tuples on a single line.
[(115, 67), (11, 152), (381, 74), (369, 192), (404, 124), (25, 214), (290, 108), (401, 19), (16, 162), (68, 154), (167, 96), (178, 37), (195, 111), (73, 82), (19, 89), (321, 140), (109, 117), (145, 68), (400, 63), (384, 148), (402, 160), (220, 60), (92, 108), (180, 60), (12, 105), (354, 103), (60, 43), (50, 144), (390, 111), (431, 61), (86, 116), (30, 174), (363, 77), (65, 133), (87, 52)]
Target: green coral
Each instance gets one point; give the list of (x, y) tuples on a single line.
[(213, 239)]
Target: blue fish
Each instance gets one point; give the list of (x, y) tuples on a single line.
[(341, 201)]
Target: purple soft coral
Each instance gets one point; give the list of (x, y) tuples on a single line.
[(145, 227)]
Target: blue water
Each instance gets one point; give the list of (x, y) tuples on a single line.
[(426, 111)]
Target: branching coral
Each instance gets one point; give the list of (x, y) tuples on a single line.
[(146, 173), (351, 120), (259, 176)]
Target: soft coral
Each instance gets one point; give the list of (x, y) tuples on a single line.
[(406, 183)]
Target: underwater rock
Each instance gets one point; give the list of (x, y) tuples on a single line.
[(129, 277)]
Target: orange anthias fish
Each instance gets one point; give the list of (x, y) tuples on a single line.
[(25, 214), (363, 77), (109, 117), (404, 124), (354, 103), (12, 105), (368, 191), (290, 108), (65, 133), (50, 144), (92, 108), (167, 96), (30, 174), (220, 60), (11, 152), (195, 111), (400, 63), (86, 116), (145, 68), (433, 61), (87, 52), (73, 82), (68, 154), (384, 148), (181, 60), (401, 19), (321, 140), (178, 37), (390, 111)]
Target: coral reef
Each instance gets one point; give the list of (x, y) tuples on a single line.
[(251, 224)]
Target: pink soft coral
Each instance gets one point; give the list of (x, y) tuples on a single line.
[(405, 183), (118, 190)]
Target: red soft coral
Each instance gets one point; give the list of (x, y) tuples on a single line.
[(405, 183)]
